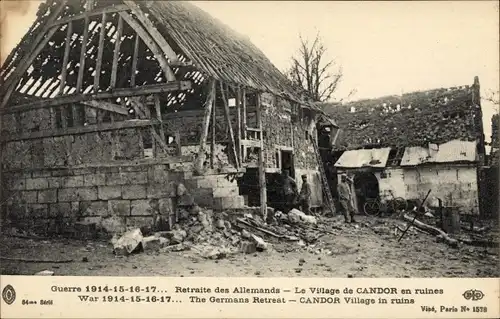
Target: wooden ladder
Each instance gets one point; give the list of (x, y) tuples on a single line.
[(324, 180)]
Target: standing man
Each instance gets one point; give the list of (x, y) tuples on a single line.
[(345, 198), (289, 191), (305, 196)]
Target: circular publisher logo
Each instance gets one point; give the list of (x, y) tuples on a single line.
[(9, 294)]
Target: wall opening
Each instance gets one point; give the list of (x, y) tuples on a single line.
[(365, 187)]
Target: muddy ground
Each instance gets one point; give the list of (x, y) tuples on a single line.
[(368, 248)]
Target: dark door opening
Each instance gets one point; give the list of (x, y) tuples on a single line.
[(287, 162), (365, 187)]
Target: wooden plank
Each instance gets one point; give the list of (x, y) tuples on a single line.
[(155, 34), (230, 126), (77, 98), (23, 67), (67, 48), (83, 53), (106, 106), (262, 172), (100, 50), (206, 122), (238, 123), (116, 53), (113, 9), (134, 60), (151, 44), (79, 130)]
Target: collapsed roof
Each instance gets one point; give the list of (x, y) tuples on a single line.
[(196, 38), (413, 119)]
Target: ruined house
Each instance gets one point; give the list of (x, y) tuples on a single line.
[(107, 106), (402, 146)]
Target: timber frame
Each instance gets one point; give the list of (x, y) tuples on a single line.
[(97, 66)]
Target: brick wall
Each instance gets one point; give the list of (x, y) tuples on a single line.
[(50, 201)]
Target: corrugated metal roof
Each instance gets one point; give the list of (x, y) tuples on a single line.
[(376, 157), (449, 152)]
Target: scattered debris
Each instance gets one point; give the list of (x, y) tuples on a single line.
[(23, 260), (296, 216), (433, 230), (128, 243)]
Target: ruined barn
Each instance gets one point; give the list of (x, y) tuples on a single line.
[(402, 146), (107, 106)]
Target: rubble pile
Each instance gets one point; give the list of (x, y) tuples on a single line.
[(216, 235)]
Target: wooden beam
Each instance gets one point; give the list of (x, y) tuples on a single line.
[(83, 53), (77, 98), (79, 130), (113, 9), (151, 44), (134, 60), (116, 53), (106, 106), (100, 50), (212, 140), (67, 48), (262, 172), (23, 67), (206, 122), (227, 114), (238, 123), (155, 34)]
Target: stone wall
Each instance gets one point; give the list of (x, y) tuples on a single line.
[(71, 150), (50, 201)]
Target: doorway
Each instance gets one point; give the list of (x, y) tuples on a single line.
[(365, 187), (287, 162)]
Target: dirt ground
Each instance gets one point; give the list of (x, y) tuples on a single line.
[(368, 248)]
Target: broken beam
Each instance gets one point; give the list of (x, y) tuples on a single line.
[(76, 98), (230, 126), (206, 122), (106, 106)]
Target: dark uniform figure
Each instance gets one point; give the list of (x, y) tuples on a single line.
[(305, 196)]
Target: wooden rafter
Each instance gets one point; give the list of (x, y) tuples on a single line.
[(135, 57), (148, 25), (24, 63), (113, 9), (151, 44), (100, 51), (67, 47), (76, 98), (116, 52)]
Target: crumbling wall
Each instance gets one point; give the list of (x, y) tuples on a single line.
[(115, 197), (454, 185), (391, 180), (413, 119)]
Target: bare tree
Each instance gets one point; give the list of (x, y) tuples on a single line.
[(311, 72)]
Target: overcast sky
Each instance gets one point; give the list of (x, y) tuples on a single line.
[(383, 47)]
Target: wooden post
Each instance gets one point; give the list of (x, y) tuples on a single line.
[(262, 171), (100, 51), (230, 126), (238, 123), (206, 122), (159, 117), (212, 141)]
